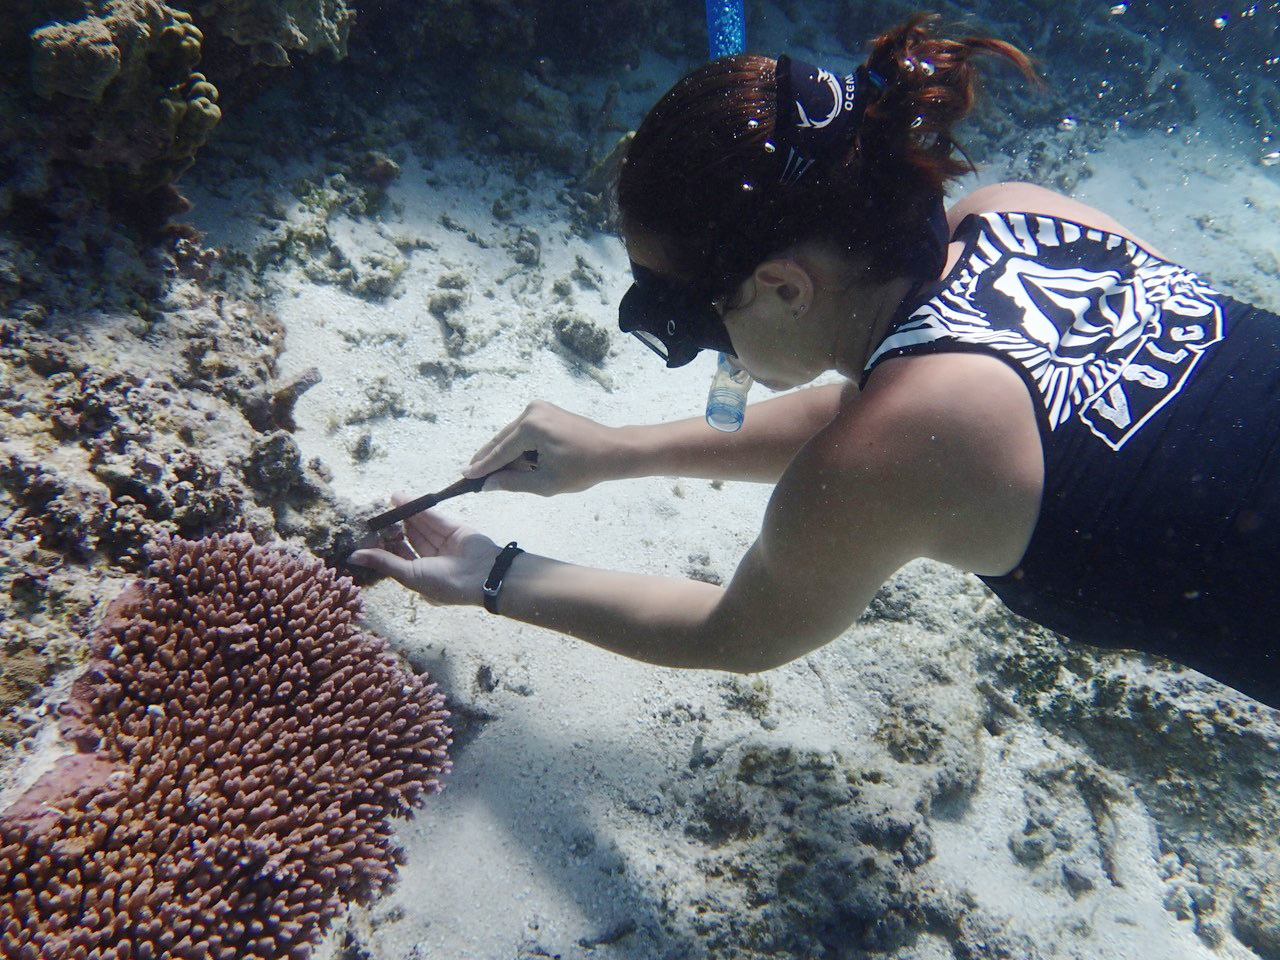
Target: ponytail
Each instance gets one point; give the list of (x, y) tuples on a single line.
[(932, 85)]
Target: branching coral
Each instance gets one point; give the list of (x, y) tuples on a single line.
[(243, 746)]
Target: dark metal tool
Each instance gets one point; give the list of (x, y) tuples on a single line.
[(466, 485)]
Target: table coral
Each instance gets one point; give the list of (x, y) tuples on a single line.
[(242, 746)]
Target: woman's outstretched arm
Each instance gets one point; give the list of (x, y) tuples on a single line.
[(902, 472), (575, 453)]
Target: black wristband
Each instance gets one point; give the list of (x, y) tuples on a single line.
[(496, 573)]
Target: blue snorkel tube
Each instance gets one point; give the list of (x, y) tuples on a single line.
[(727, 399), (726, 28)]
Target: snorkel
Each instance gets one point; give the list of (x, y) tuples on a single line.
[(727, 398), (678, 319), (726, 28)]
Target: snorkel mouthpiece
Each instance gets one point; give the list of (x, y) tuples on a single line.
[(727, 398)]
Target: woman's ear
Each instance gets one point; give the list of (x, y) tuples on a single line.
[(788, 281)]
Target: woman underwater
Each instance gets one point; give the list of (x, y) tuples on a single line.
[(1034, 394)]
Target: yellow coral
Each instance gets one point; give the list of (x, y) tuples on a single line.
[(74, 59), (125, 83)]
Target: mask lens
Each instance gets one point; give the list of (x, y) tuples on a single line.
[(652, 342)]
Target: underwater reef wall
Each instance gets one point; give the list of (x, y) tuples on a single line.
[(274, 28), (105, 94), (234, 786), (118, 426), (121, 95)]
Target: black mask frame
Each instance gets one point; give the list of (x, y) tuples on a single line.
[(673, 320)]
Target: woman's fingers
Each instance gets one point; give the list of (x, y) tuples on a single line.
[(442, 560), (522, 435), (417, 534), (425, 533), (519, 478), (508, 453), (433, 534), (384, 562), (422, 546), (487, 458), (398, 544)]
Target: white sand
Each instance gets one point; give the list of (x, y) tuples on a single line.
[(562, 820)]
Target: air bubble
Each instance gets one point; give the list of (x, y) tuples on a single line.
[(752, 124), (747, 188), (769, 147), (1067, 124), (927, 67), (1271, 159), (917, 122), (1120, 9), (1220, 22)]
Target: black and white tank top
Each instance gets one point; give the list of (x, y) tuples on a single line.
[(1158, 401)]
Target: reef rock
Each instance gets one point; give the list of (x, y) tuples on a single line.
[(121, 94), (274, 27)]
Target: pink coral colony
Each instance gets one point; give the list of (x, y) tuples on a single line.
[(242, 748)]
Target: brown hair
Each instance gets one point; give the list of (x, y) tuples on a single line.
[(701, 174)]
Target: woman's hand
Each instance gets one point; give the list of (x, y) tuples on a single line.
[(573, 453), (448, 563)]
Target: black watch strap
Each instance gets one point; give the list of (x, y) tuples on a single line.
[(496, 573)]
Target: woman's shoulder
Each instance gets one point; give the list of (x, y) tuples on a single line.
[(951, 442), (1030, 198)]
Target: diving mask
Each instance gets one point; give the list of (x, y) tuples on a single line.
[(673, 320)]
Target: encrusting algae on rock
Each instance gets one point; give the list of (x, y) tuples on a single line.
[(233, 785)]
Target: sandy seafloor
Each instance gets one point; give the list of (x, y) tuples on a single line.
[(583, 815)]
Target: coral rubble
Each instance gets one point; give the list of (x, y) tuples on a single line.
[(242, 746), (1201, 757)]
